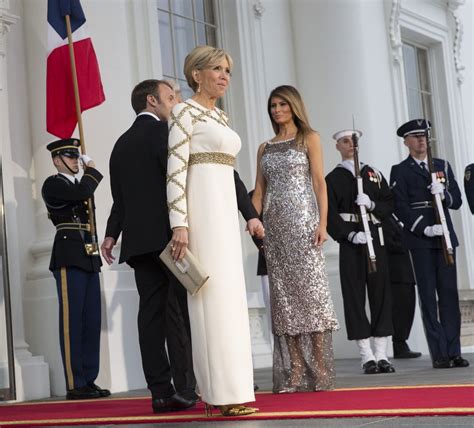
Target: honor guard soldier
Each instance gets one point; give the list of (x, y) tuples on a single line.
[(469, 185), (75, 267), (345, 226), (414, 190)]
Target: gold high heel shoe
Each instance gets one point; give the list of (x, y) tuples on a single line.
[(230, 410)]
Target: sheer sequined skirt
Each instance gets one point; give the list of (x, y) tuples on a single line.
[(303, 363)]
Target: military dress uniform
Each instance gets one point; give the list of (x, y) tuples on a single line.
[(76, 273), (469, 185), (343, 223), (436, 280)]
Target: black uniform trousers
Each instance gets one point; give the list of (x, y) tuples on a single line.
[(403, 309), (154, 283), (79, 324), (442, 321), (355, 280), (403, 295)]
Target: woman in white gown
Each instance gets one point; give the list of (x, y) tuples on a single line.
[(203, 215)]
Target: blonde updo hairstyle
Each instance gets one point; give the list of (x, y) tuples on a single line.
[(200, 58)]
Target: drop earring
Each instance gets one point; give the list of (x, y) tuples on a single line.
[(198, 91)]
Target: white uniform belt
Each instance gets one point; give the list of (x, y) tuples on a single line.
[(421, 204), (355, 218)]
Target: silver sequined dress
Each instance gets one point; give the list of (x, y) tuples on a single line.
[(303, 316)]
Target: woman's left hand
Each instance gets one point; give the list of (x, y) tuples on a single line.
[(320, 236)]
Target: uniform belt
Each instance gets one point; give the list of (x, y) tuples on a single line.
[(421, 204), (73, 226), (355, 218), (211, 157)]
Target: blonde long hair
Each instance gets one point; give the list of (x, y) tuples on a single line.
[(291, 95)]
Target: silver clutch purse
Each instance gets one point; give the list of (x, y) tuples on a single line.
[(187, 271)]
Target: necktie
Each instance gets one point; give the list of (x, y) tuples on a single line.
[(423, 167), (76, 181)]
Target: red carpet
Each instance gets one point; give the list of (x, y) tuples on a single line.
[(350, 402)]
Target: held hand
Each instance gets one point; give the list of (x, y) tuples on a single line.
[(106, 249), (86, 161), (433, 231), (359, 238), (255, 228), (179, 243), (320, 236), (363, 199), (437, 188)]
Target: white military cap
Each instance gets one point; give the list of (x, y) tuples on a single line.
[(346, 133)]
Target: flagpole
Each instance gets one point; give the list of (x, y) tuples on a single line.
[(94, 248)]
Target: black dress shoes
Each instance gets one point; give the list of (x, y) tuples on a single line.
[(190, 395), (402, 350), (82, 393), (370, 367), (443, 363), (102, 392), (459, 362), (171, 404), (385, 367)]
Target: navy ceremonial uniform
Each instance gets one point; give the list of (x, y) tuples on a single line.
[(343, 223), (436, 280), (469, 185), (76, 272)]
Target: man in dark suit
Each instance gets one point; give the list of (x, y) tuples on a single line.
[(140, 214), (138, 180), (402, 281), (75, 267), (413, 191), (469, 185)]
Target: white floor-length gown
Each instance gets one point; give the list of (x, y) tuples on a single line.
[(201, 195)]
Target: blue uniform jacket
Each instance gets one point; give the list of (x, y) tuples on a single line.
[(413, 200)]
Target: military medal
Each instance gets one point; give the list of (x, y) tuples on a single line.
[(440, 176)]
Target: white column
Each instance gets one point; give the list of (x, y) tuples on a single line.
[(32, 380)]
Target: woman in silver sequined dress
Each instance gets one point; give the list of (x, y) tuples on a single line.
[(289, 175)]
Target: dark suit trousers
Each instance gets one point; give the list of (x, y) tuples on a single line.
[(178, 338), (355, 282), (441, 316), (152, 284), (403, 310)]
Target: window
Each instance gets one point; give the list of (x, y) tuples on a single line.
[(418, 86), (184, 24)]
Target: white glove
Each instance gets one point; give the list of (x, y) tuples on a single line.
[(437, 188), (359, 238), (432, 231), (85, 159), (363, 199)]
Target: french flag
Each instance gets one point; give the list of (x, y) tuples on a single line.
[(61, 118)]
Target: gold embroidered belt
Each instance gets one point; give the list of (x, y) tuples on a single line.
[(211, 157), (73, 226)]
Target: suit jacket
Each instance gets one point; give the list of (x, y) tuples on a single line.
[(413, 200), (398, 257), (138, 181), (469, 185), (138, 167), (67, 202)]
